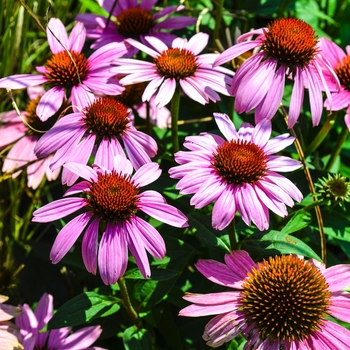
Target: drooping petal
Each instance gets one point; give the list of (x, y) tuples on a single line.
[(113, 253), (68, 236), (137, 249), (89, 246)]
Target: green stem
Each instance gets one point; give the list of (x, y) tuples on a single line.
[(127, 303), (311, 187), (232, 235), (338, 146), (148, 120), (327, 126), (175, 105), (218, 18)]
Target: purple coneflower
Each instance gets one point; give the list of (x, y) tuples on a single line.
[(9, 333), (280, 303), (132, 20), (288, 47), (178, 64), (131, 97), (69, 70), (23, 138), (340, 62), (239, 174), (30, 324), (111, 201), (96, 130)]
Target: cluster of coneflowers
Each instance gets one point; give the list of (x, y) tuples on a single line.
[(79, 125)]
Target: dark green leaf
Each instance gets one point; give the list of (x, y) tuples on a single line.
[(156, 274), (300, 220), (203, 232), (276, 242), (83, 308), (135, 339)]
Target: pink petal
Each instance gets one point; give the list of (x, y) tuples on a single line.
[(112, 254), (147, 174), (77, 37), (68, 236), (57, 36), (50, 103), (58, 209), (89, 246), (137, 249), (220, 273), (20, 81)]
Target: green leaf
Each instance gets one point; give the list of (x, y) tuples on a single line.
[(204, 234), (83, 308), (300, 220), (276, 242), (337, 225), (135, 339), (93, 7), (156, 274)]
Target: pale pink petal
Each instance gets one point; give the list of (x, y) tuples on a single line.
[(77, 37), (50, 103), (226, 126), (165, 93), (21, 81), (57, 35), (337, 277), (147, 174)]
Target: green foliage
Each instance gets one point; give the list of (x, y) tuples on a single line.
[(84, 308), (81, 298)]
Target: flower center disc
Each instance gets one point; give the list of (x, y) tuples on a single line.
[(134, 22), (285, 298), (131, 95), (67, 69), (106, 117), (36, 126), (343, 72), (240, 162), (292, 41), (113, 197), (176, 63)]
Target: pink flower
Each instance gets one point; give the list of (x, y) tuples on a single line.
[(131, 19), (131, 97), (8, 331), (288, 47), (112, 199), (280, 303), (239, 174), (96, 130), (70, 70), (179, 64), (30, 323), (340, 62), (24, 138)]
